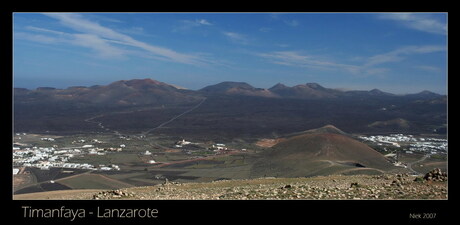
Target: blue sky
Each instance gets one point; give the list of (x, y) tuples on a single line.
[(394, 52)]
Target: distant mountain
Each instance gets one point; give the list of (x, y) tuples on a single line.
[(229, 108), (321, 151), (423, 95), (119, 93), (394, 124), (236, 88), (374, 93), (304, 91)]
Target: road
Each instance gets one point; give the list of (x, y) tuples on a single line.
[(174, 118), (90, 120), (409, 165)]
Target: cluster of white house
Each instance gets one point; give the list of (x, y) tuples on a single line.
[(180, 144), (215, 147), (430, 145), (48, 157)]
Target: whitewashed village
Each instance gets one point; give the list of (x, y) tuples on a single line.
[(410, 144), (54, 156), (395, 144), (48, 157)]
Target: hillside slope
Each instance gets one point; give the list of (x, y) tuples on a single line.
[(320, 152), (396, 186)]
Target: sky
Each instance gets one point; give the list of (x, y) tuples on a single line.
[(395, 52)]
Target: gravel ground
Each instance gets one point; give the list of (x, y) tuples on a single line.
[(397, 186)]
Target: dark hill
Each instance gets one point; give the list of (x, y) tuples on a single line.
[(374, 93), (229, 109), (303, 91), (68, 110), (320, 152), (423, 95), (237, 88), (328, 129), (225, 86), (119, 93)]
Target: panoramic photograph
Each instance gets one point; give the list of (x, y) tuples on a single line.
[(229, 106)]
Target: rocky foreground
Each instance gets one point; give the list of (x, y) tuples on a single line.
[(398, 186)]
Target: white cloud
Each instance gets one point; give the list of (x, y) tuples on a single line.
[(203, 22), (186, 25), (368, 66), (99, 45), (98, 35), (236, 37), (429, 68), (292, 23), (35, 37), (418, 21), (292, 58), (402, 53), (39, 29)]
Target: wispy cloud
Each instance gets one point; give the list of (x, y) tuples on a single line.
[(368, 66), (418, 21), (103, 48), (39, 29), (35, 37), (102, 39), (190, 24), (203, 22), (292, 23), (236, 37), (429, 68), (401, 54), (296, 59), (281, 17)]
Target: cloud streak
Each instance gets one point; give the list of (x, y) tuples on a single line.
[(101, 39), (418, 21), (236, 37), (370, 65), (186, 25), (402, 53), (296, 59)]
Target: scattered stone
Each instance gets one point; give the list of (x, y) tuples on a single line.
[(436, 175), (357, 187), (111, 194), (355, 184)]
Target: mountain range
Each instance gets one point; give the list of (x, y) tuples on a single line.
[(224, 109), (302, 91)]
